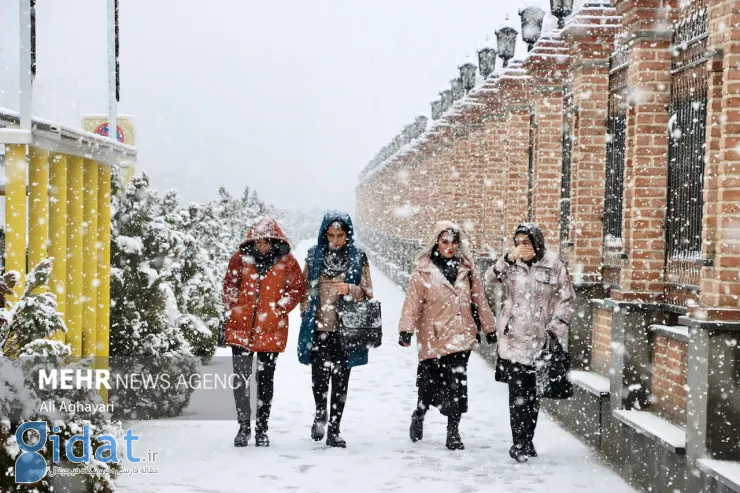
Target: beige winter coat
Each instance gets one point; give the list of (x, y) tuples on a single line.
[(440, 313), (539, 297)]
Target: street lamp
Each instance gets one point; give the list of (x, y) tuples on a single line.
[(506, 41), (436, 109), (487, 60), (561, 9), (532, 18), (420, 125), (467, 74), (446, 99), (457, 88)]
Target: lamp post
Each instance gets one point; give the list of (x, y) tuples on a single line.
[(487, 60), (532, 18), (436, 109), (561, 9), (467, 74), (457, 88), (506, 41), (447, 100)]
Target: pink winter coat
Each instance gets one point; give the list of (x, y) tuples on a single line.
[(539, 298), (440, 313)]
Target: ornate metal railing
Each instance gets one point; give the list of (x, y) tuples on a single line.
[(687, 150), (615, 156)]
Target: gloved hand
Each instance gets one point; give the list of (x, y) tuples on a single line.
[(491, 338), (404, 339)]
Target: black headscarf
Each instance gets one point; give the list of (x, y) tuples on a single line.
[(448, 266), (263, 263), (536, 237), (335, 262)]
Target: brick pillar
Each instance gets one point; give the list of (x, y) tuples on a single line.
[(495, 180), (546, 63), (589, 65), (720, 285), (646, 165), (515, 84)]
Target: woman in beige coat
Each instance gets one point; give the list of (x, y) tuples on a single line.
[(439, 310), (539, 301)]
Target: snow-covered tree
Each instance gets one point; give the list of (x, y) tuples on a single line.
[(145, 319), (26, 328)]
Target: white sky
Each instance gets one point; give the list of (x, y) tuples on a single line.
[(292, 98)]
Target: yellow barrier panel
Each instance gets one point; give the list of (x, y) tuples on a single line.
[(15, 212), (103, 298), (58, 232), (74, 254), (90, 258)]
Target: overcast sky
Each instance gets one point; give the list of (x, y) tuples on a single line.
[(292, 98)]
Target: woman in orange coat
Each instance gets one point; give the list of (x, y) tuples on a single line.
[(263, 284)]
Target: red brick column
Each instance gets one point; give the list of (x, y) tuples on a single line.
[(589, 66), (515, 85), (547, 64), (720, 284), (646, 164)]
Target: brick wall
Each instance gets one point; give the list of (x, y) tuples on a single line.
[(670, 372), (601, 349)]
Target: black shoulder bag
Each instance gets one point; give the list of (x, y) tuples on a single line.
[(360, 323), (551, 368)]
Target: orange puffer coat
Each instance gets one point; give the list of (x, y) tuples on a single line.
[(260, 305)]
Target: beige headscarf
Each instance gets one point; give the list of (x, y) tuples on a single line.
[(439, 228)]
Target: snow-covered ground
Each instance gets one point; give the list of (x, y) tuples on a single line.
[(199, 456)]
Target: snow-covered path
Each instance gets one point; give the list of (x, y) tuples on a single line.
[(199, 456)]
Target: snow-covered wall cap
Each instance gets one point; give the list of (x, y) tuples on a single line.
[(468, 61), (488, 43)]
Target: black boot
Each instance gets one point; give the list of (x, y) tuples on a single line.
[(529, 450), (416, 431), (318, 428), (517, 453), (454, 442), (261, 439), (260, 435), (242, 437), (333, 439)]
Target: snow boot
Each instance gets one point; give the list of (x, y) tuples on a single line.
[(517, 453), (334, 440), (318, 428), (529, 450), (416, 431), (454, 442), (242, 437), (261, 439)]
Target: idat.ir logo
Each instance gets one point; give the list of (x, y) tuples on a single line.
[(31, 466)]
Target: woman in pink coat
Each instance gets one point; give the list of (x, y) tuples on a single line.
[(438, 309)]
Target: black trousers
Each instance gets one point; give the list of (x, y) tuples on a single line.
[(242, 363), (524, 405), (329, 364), (443, 383)]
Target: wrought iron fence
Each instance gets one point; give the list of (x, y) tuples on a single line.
[(615, 156), (530, 173), (687, 150), (569, 123)]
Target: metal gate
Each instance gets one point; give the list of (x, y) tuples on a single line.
[(569, 123), (687, 151), (615, 155)]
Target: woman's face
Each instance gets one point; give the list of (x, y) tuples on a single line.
[(337, 237), (262, 245), (523, 240), (447, 245)]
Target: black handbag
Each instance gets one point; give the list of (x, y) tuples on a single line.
[(360, 324), (551, 369)]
